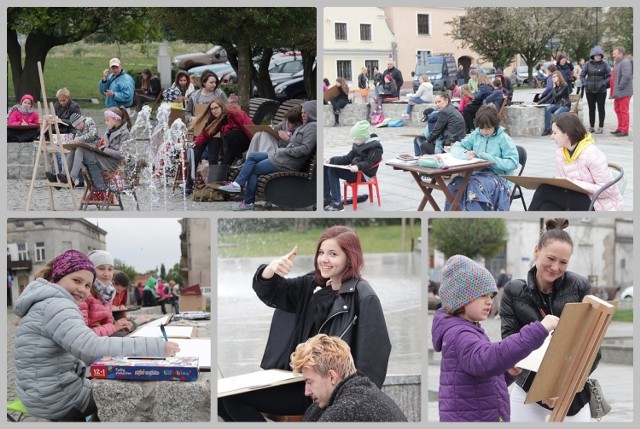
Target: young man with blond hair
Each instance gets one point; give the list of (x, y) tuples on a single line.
[(339, 392)]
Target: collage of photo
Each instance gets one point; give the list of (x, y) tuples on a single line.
[(258, 211)]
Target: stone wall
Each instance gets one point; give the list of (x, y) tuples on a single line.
[(405, 390)]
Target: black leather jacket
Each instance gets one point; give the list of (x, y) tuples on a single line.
[(355, 315), (522, 303)]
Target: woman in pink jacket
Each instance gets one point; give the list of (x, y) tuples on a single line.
[(96, 309), (22, 115), (579, 160)]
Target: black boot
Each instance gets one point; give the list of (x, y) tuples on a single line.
[(188, 187)]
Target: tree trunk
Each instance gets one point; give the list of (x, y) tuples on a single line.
[(244, 74), (27, 80), (263, 80), (310, 74), (14, 55)]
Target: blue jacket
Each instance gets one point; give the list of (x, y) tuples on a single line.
[(123, 88), (483, 92), (496, 98), (498, 148), (473, 370)]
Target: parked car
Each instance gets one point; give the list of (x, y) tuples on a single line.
[(522, 74), (489, 71), (627, 293), (292, 88), (441, 69), (215, 55), (224, 71), (284, 69)]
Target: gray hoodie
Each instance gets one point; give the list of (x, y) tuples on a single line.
[(302, 144), (53, 346)]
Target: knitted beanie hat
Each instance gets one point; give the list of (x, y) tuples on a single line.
[(27, 97), (360, 131), (69, 262), (100, 257), (75, 119), (463, 281)]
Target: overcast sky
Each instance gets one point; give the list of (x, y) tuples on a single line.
[(142, 243)]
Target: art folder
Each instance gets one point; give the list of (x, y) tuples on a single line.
[(255, 380), (534, 182)]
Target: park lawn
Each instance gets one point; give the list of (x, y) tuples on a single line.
[(625, 315), (378, 239), (79, 66)]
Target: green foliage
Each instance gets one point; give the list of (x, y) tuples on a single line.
[(469, 237), (618, 28), (261, 242), (625, 315), (129, 270), (175, 274), (163, 271)]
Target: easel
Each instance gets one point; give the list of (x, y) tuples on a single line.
[(47, 146), (566, 364)]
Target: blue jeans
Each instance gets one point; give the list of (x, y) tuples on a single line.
[(332, 178), (256, 165), (414, 100), (549, 111)]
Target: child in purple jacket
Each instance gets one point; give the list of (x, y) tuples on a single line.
[(474, 372)]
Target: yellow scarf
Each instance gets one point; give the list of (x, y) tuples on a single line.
[(582, 145)]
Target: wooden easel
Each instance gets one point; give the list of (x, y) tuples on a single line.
[(47, 147), (566, 364)]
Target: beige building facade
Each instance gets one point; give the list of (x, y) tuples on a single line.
[(401, 33)]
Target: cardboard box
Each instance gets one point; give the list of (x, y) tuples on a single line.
[(192, 302), (145, 368)]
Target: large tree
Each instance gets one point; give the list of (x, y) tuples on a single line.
[(249, 34), (617, 29), (469, 237), (46, 28)]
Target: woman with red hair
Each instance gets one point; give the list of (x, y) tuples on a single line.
[(333, 299)]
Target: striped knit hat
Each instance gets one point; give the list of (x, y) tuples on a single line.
[(463, 281)]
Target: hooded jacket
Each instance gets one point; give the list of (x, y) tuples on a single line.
[(302, 144), (498, 148), (355, 315), (364, 156), (595, 74), (587, 167), (114, 139), (521, 305), (123, 88), (53, 346), (356, 399), (473, 370)]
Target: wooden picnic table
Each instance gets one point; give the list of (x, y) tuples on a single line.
[(430, 179)]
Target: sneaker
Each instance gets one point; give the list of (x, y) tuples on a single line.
[(546, 132), (591, 129), (405, 115), (53, 179), (79, 185), (622, 134), (599, 131), (243, 207), (63, 179), (616, 132), (334, 207), (231, 187)]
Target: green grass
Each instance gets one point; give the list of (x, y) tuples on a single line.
[(380, 239), (79, 66), (625, 315)]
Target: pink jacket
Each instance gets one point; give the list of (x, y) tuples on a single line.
[(97, 315), (16, 118), (590, 171), (160, 290)]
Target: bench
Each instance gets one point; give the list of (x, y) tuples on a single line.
[(261, 109), (289, 189), (284, 108)]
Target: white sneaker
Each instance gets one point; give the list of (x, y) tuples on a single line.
[(231, 187), (405, 115)]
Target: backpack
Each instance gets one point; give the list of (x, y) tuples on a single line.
[(209, 193), (376, 117)]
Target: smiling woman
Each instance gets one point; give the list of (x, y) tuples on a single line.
[(335, 300)]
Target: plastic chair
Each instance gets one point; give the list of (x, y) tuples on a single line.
[(516, 192), (361, 182), (617, 173)]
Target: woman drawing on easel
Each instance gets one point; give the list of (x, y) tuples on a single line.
[(547, 288)]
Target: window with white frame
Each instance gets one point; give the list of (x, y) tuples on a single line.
[(23, 252), (365, 32), (424, 24), (40, 254), (344, 69), (341, 31)]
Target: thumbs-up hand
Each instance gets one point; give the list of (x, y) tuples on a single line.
[(281, 266)]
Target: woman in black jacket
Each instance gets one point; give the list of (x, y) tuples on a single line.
[(547, 289), (595, 77), (558, 100), (335, 300)]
